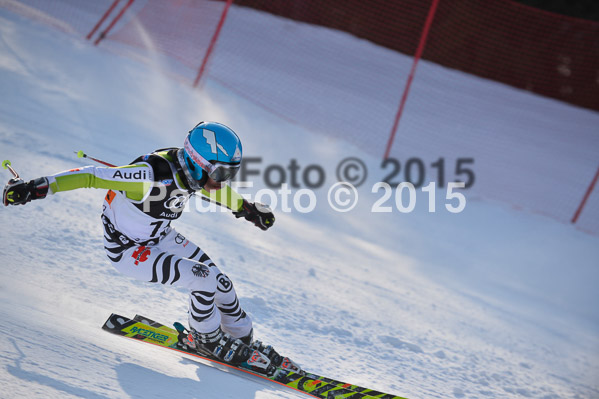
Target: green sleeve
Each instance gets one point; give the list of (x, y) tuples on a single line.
[(134, 180), (226, 196)]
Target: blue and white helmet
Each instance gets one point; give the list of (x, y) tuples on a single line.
[(212, 150)]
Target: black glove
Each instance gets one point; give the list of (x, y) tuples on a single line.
[(257, 213), (17, 192)]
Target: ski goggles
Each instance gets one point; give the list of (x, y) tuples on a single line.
[(216, 170), (223, 171)]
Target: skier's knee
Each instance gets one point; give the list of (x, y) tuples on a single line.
[(223, 283)]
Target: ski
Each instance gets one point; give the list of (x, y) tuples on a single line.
[(143, 329), (309, 376)]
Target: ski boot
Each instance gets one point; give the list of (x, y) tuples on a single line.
[(276, 360), (223, 347)]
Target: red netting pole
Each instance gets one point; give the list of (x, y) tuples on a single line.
[(114, 21), (212, 43), (586, 197), (419, 50), (101, 21)]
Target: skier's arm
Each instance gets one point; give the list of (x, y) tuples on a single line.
[(226, 196), (260, 215), (135, 180)]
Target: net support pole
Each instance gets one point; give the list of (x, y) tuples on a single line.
[(586, 197), (213, 41), (114, 21), (417, 56), (101, 21)]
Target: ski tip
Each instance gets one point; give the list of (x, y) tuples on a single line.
[(80, 154), (5, 164)]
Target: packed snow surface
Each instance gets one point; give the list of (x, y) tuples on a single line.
[(490, 302)]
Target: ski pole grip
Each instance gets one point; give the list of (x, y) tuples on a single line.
[(6, 165)]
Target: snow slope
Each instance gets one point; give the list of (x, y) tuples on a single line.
[(491, 302)]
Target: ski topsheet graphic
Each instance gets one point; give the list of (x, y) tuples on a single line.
[(146, 330)]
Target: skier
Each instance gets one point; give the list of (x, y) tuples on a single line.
[(143, 199)]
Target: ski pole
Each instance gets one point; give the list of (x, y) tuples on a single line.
[(81, 154), (6, 165)]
